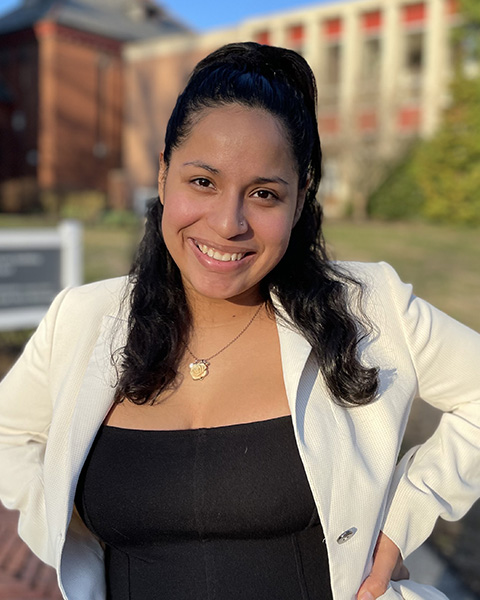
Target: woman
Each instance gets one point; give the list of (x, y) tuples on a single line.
[(243, 441)]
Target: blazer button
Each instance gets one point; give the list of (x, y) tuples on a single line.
[(346, 535)]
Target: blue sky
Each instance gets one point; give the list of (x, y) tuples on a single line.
[(209, 14)]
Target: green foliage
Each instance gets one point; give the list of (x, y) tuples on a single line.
[(120, 218), (14, 341), (440, 180), (470, 10), (399, 197), (447, 167)]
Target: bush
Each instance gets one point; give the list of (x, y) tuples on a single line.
[(120, 218), (86, 206), (440, 180), (19, 195), (447, 167)]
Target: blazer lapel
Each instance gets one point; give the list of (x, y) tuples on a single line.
[(314, 415), (94, 399)]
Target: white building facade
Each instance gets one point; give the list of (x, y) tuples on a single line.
[(382, 69)]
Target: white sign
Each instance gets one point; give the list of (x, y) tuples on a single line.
[(35, 264)]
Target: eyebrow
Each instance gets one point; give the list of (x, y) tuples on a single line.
[(271, 180), (257, 180), (198, 163)]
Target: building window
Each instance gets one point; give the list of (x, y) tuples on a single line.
[(413, 57), (333, 64), (100, 148), (411, 66), (19, 121), (32, 158), (371, 56), (329, 82)]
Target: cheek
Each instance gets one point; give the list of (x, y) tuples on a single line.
[(178, 213), (276, 234)]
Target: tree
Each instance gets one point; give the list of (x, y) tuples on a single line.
[(447, 167)]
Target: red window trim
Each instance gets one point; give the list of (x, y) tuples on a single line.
[(372, 21), (414, 13), (296, 34), (333, 28)]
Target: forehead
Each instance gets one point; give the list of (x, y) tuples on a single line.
[(239, 135)]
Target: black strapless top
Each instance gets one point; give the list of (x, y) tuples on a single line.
[(205, 514)]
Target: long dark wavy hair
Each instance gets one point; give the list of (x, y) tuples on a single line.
[(316, 294)]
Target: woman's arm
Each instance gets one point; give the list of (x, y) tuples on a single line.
[(442, 476), (25, 416)]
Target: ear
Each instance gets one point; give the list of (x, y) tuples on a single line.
[(162, 172)]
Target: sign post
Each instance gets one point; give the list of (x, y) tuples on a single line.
[(35, 264)]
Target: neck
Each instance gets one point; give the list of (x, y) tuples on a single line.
[(213, 312)]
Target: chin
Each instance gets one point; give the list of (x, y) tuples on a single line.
[(216, 291)]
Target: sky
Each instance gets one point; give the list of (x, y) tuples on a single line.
[(209, 14)]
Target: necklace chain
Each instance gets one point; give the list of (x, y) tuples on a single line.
[(199, 368)]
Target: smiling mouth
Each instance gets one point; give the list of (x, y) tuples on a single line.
[(218, 255)]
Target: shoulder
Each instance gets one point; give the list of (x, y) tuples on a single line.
[(366, 272), (98, 298), (378, 278), (80, 311), (383, 296), (79, 315)]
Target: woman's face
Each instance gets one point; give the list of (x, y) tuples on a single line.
[(231, 198)]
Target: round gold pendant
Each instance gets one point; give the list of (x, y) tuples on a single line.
[(199, 369)]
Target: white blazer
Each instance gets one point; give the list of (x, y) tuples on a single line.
[(60, 390)]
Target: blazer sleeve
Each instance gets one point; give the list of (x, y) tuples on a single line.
[(440, 478), (25, 416)]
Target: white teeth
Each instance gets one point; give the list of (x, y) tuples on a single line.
[(223, 257)]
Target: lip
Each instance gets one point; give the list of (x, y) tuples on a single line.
[(221, 247), (219, 266)]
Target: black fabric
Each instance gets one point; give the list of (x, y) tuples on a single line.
[(224, 513)]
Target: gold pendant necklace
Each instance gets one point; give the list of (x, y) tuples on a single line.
[(199, 368)]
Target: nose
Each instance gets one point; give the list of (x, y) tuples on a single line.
[(227, 217)]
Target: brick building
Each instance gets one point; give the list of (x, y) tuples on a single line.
[(382, 68), (61, 67), (6, 106)]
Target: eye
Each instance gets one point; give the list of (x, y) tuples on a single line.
[(202, 182), (265, 195)]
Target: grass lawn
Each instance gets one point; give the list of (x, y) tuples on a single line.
[(108, 250), (442, 263)]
